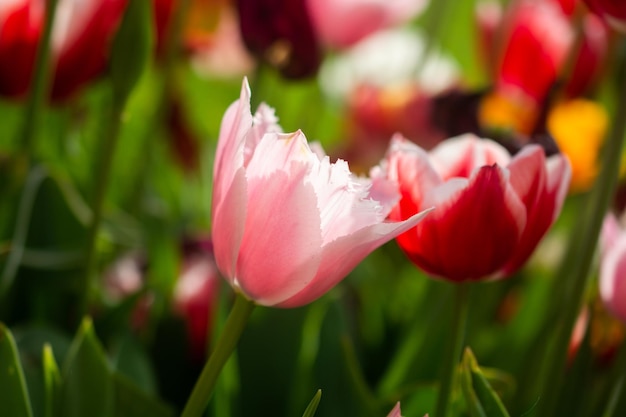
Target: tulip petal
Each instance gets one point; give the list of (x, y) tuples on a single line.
[(613, 278), (236, 123), (542, 190), (462, 155), (229, 204), (342, 255), (228, 224), (280, 252), (470, 236), (344, 200)]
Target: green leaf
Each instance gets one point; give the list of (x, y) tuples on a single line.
[(480, 397), (13, 394), (52, 382), (132, 48), (87, 386), (131, 401), (312, 407)]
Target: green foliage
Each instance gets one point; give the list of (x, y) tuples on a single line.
[(312, 407), (480, 397), (13, 393)]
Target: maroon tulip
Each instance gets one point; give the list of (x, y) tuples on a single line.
[(280, 33), (612, 11)]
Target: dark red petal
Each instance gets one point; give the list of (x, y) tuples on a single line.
[(471, 235)]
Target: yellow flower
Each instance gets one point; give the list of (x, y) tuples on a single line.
[(578, 127), (498, 111)]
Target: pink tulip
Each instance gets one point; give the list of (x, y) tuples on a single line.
[(288, 224), (81, 37), (613, 267), (341, 23), (490, 212)]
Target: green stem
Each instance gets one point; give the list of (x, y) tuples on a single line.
[(364, 394), (106, 153), (416, 337), (39, 82), (598, 204), (454, 347), (27, 202), (617, 381), (201, 394)]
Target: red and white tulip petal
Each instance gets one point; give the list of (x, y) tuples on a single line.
[(613, 279)]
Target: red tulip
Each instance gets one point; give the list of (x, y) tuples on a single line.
[(490, 212), (537, 36), (590, 57), (81, 37), (288, 224)]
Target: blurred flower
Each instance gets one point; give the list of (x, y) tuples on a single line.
[(613, 267), (280, 33), (182, 140), (578, 127), (537, 36), (81, 36), (490, 212), (125, 278), (389, 86), (578, 334), (288, 225), (220, 52), (195, 295), (613, 11), (291, 34), (541, 71), (531, 51), (342, 23)]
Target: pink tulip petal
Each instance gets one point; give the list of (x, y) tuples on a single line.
[(229, 156), (342, 255), (229, 203), (264, 121), (471, 235), (280, 252), (613, 278), (276, 151), (228, 225), (344, 201), (611, 231)]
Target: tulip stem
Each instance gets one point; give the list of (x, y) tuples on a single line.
[(453, 347), (618, 390), (236, 322), (105, 162), (597, 206), (39, 82)]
